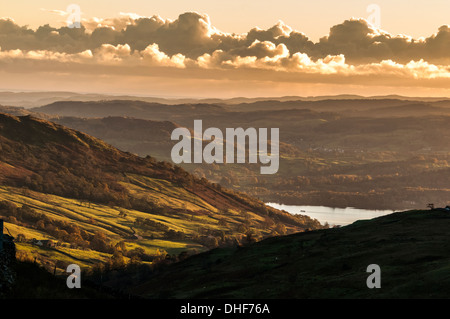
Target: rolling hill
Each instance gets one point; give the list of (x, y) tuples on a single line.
[(91, 203), (134, 135), (411, 249), (375, 153), (128, 108)]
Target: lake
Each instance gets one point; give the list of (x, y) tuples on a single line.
[(334, 216)]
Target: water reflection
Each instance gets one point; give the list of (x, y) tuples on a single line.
[(332, 215)]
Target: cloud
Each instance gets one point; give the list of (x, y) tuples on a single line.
[(193, 35), (191, 47), (61, 13), (263, 56), (115, 24)]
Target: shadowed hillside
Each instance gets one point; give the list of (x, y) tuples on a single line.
[(411, 249)]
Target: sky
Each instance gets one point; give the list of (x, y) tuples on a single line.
[(228, 48), (413, 17)]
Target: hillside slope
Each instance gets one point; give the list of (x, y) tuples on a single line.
[(128, 134), (97, 204), (411, 248)]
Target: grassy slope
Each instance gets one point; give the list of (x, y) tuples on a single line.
[(411, 248), (106, 220), (35, 148)]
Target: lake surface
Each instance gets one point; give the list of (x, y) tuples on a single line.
[(334, 216)]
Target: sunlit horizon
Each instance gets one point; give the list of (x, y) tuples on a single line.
[(188, 51)]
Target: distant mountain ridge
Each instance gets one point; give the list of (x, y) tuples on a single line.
[(126, 108), (36, 99)]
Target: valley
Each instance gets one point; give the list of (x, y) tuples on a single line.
[(384, 153), (69, 197)]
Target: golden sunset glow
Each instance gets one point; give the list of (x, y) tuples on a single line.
[(133, 53)]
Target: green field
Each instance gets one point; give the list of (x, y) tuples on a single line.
[(95, 217)]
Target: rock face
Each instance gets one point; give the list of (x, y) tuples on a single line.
[(7, 260)]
